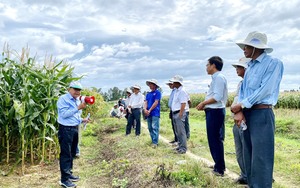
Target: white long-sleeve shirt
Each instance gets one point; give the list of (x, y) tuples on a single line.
[(136, 100)]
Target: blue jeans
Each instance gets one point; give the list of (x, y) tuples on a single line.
[(153, 127), (259, 147), (238, 142), (215, 131), (68, 140)]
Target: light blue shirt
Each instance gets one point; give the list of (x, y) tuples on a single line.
[(261, 81), (171, 98), (218, 90), (68, 113)]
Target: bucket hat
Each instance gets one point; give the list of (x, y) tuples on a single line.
[(153, 81), (257, 40), (242, 62), (177, 78), (136, 87)]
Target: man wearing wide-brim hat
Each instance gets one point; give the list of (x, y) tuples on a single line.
[(171, 86), (179, 104), (152, 110), (240, 67), (134, 108), (258, 94)]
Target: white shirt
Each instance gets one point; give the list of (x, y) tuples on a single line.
[(136, 100), (180, 96)]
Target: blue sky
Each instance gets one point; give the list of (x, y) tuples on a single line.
[(126, 42)]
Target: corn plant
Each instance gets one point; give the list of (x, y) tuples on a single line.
[(28, 95)]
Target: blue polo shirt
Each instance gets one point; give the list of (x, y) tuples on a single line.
[(151, 97)]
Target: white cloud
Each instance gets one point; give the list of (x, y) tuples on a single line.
[(120, 43)]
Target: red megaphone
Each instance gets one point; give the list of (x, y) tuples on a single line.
[(87, 99)]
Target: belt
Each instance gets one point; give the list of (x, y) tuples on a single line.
[(260, 106), (135, 108), (176, 112), (71, 127)]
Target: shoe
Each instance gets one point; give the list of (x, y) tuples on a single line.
[(154, 146), (176, 149), (77, 155), (241, 181), (172, 142), (216, 173), (180, 151), (74, 178), (67, 184)]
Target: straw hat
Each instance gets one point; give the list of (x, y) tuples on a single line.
[(256, 40)]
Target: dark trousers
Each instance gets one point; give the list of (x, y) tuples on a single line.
[(173, 126), (187, 125), (215, 131), (68, 140), (135, 115), (259, 147)]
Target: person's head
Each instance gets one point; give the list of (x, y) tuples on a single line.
[(255, 44), (170, 84), (136, 88), (177, 81), (214, 64), (241, 66), (128, 92), (152, 84), (116, 106), (75, 89)]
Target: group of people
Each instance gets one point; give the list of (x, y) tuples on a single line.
[(252, 111)]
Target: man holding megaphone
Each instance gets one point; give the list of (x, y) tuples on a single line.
[(69, 108)]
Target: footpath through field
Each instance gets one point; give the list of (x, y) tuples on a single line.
[(205, 161)]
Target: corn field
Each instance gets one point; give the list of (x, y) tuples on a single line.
[(28, 95), (286, 100)]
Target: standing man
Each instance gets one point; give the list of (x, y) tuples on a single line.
[(152, 111), (170, 84), (69, 111), (214, 107), (179, 103), (237, 130), (135, 106), (258, 94)]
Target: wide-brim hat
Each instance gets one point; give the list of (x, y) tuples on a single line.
[(153, 81), (75, 85), (128, 90), (169, 82), (256, 40), (242, 62), (178, 79), (136, 87)]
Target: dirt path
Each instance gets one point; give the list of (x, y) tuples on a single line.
[(205, 161)]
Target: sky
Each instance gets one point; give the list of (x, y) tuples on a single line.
[(120, 43)]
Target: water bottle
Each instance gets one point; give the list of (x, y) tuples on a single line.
[(243, 125)]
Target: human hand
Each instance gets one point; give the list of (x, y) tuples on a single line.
[(81, 106), (238, 118), (200, 106)]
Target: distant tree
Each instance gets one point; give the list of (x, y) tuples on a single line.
[(114, 93)]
